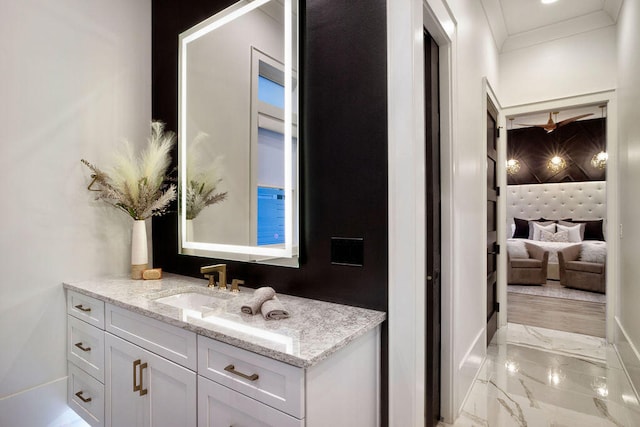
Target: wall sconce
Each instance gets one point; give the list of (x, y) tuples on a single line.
[(513, 166), (556, 164), (600, 160)]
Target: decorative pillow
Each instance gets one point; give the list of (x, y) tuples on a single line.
[(573, 232), (593, 253), (592, 229), (569, 223), (537, 229), (560, 236), (522, 228), (517, 249), (540, 221)]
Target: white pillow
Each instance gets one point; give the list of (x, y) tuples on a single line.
[(537, 229), (517, 249), (574, 232), (593, 253), (560, 236), (513, 230)]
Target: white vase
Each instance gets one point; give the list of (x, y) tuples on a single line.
[(139, 254)]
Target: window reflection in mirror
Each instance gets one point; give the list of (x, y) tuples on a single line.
[(238, 128)]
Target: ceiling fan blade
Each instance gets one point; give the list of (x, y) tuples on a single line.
[(573, 119)]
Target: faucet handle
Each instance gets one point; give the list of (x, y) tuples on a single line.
[(212, 280), (234, 285)]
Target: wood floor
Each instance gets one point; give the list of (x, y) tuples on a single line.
[(583, 317)]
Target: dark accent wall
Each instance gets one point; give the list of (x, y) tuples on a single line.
[(576, 142), (343, 150)]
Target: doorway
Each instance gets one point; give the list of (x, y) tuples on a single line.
[(433, 230), (569, 194)]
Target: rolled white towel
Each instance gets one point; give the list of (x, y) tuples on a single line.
[(260, 295), (273, 309)]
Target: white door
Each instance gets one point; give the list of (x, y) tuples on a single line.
[(146, 390)]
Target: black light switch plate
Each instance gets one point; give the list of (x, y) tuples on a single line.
[(347, 251)]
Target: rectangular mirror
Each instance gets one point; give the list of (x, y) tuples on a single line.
[(238, 134)]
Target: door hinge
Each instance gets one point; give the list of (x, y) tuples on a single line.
[(498, 131), (497, 307), (497, 191), (497, 249)]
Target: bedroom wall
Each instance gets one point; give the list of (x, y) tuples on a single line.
[(628, 316), (574, 65), (75, 77), (576, 142)]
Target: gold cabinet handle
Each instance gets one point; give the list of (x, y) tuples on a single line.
[(143, 391), (85, 400), (79, 345), (81, 308), (232, 369), (138, 386)]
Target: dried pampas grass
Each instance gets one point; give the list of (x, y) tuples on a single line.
[(137, 184)]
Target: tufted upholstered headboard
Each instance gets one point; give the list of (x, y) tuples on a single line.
[(577, 200)]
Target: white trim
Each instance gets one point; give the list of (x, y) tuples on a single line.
[(406, 20), (629, 356), (613, 211)]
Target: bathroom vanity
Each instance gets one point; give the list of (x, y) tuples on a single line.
[(172, 352)]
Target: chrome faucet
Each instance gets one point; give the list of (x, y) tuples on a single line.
[(209, 271)]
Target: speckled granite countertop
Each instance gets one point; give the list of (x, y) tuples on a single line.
[(313, 332)]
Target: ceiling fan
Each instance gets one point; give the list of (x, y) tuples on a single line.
[(550, 126)]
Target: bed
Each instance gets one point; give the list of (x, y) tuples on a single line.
[(559, 203)]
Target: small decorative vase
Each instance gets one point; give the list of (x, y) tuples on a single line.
[(139, 255)]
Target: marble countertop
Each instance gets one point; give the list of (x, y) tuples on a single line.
[(313, 332)]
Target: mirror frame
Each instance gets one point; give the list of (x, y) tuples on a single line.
[(288, 255)]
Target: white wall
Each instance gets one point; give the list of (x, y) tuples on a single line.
[(75, 77), (477, 57), (583, 63), (628, 60)]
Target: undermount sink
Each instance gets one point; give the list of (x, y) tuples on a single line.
[(196, 301)]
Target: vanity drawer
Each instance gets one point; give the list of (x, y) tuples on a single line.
[(85, 347), (269, 381), (85, 395), (86, 308), (168, 341), (219, 406)]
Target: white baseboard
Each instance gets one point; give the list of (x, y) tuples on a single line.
[(41, 406), (629, 355), (469, 368)]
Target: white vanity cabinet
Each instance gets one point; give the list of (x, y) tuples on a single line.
[(240, 388), (143, 389), (134, 361), (150, 378)]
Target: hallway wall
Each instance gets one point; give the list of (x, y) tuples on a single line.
[(477, 57), (570, 66), (75, 77), (628, 316)]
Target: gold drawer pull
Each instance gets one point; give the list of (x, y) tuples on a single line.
[(79, 345), (138, 387), (79, 394), (232, 369), (81, 308)]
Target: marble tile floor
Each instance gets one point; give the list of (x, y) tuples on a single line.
[(539, 377)]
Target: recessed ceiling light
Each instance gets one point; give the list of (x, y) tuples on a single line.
[(548, 1)]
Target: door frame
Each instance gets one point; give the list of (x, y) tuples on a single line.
[(406, 205), (608, 97)]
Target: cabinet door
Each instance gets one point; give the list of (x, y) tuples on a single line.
[(219, 406), (170, 398)]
